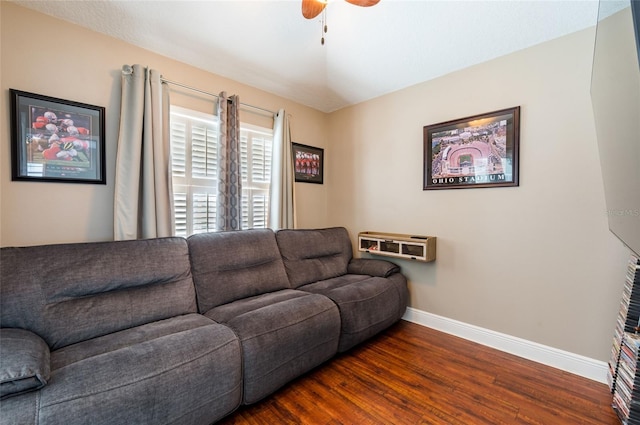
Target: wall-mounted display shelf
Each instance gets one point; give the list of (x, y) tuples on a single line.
[(411, 247)]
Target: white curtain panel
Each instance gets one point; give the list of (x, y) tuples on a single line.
[(229, 199), (282, 190), (143, 191)]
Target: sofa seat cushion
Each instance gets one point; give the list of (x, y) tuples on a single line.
[(182, 370), (283, 334), (367, 304)]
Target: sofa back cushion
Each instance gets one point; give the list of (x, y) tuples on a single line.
[(313, 255), (228, 266), (73, 292)]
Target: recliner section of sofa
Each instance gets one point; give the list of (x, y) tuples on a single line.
[(241, 282), (126, 343), (370, 294), (180, 331)]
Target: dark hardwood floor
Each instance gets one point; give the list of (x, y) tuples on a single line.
[(415, 375)]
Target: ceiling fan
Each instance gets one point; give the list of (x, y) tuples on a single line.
[(312, 8)]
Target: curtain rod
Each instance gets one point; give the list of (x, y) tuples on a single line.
[(175, 83)]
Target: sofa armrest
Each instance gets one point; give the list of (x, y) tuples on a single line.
[(371, 267), (24, 362)]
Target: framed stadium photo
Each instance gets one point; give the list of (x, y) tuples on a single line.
[(473, 152)]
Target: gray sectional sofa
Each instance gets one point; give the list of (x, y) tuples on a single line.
[(180, 331)]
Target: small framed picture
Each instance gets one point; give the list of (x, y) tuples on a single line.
[(472, 152), (56, 140), (308, 163)]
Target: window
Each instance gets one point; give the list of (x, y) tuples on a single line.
[(194, 138), (255, 152)]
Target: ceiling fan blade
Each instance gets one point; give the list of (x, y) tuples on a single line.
[(312, 8), (364, 3)]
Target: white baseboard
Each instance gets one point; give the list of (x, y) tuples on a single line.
[(574, 363)]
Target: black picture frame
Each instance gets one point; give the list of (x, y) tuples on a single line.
[(56, 140), (308, 162), (473, 152)]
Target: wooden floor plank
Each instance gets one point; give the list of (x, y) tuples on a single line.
[(411, 374)]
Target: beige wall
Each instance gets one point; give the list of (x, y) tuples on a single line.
[(43, 55), (535, 261)]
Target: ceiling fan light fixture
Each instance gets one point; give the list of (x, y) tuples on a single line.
[(312, 8), (364, 3)]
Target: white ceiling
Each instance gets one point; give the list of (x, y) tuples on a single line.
[(368, 51)]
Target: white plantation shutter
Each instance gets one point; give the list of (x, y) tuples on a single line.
[(255, 205), (255, 151), (260, 203), (178, 147), (261, 158), (204, 212), (204, 155), (194, 165), (245, 213), (178, 170), (180, 207), (194, 162)]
